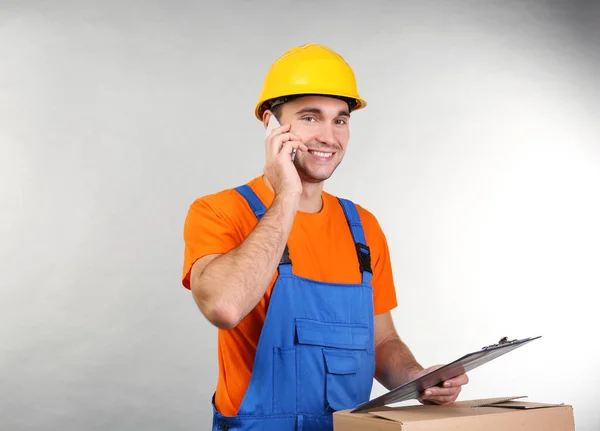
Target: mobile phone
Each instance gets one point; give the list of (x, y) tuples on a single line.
[(272, 125)]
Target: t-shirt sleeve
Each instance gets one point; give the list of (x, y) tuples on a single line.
[(384, 289), (207, 230)]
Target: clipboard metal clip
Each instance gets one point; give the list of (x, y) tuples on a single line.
[(503, 341)]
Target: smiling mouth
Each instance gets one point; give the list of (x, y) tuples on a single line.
[(320, 154)]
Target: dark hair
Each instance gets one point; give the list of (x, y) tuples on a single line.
[(276, 110)]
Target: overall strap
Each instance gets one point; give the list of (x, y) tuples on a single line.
[(362, 250), (259, 209)]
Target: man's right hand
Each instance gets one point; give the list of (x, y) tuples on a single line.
[(279, 168), (228, 286)]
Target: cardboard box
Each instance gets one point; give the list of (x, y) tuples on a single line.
[(493, 414)]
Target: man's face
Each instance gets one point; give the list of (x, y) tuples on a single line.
[(323, 125)]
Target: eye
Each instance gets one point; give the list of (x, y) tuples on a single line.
[(341, 122), (309, 119)]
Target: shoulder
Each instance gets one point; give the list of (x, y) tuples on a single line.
[(226, 203), (366, 216), (373, 231), (220, 202), (368, 219), (220, 217)]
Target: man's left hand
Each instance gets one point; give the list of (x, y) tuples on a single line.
[(446, 393)]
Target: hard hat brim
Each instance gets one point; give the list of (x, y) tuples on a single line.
[(357, 102)]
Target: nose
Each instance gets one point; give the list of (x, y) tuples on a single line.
[(326, 135)]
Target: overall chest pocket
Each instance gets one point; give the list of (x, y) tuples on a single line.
[(336, 365)]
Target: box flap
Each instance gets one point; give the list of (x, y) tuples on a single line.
[(525, 405), (492, 401), (509, 402)]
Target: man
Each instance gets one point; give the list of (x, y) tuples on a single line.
[(298, 282)]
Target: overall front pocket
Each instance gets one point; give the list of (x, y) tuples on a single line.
[(334, 365), (342, 384)]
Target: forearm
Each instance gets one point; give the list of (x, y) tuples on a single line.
[(395, 363), (234, 282)]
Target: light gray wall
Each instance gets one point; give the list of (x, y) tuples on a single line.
[(479, 153)]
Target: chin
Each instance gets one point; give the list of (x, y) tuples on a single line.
[(313, 179), (310, 176)]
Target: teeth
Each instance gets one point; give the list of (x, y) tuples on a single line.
[(319, 154)]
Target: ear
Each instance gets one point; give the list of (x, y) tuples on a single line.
[(266, 117)]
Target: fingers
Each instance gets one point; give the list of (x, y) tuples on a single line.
[(278, 137), (441, 395), (271, 147), (447, 392), (461, 380), (439, 400), (437, 391), (276, 143), (289, 146)]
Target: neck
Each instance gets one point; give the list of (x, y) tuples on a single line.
[(310, 200)]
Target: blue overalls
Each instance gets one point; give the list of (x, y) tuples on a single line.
[(316, 352)]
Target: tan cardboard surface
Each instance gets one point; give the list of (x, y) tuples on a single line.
[(430, 413), (464, 415)]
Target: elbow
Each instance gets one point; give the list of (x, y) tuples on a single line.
[(218, 312), (222, 316)]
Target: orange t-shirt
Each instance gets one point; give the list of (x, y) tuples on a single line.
[(321, 248)]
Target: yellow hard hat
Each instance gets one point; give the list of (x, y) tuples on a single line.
[(309, 69)]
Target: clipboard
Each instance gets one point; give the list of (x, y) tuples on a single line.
[(413, 389)]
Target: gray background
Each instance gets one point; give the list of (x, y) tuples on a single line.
[(479, 153)]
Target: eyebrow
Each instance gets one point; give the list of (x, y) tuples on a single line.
[(311, 110)]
